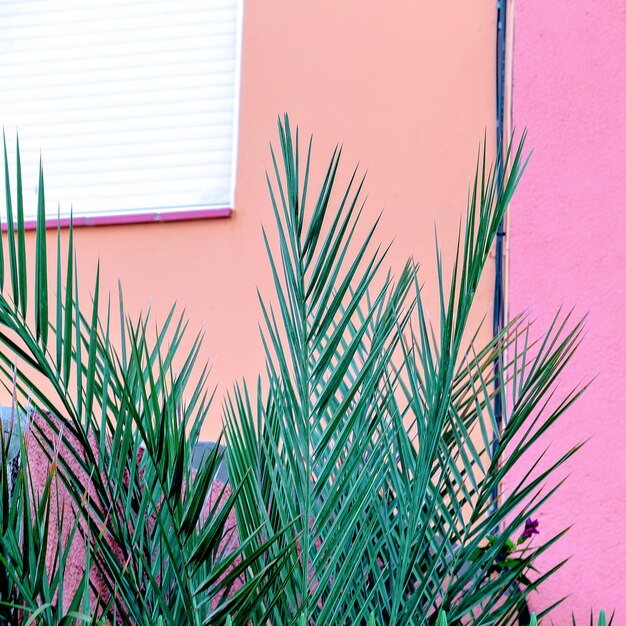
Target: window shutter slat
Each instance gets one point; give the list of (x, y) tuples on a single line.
[(132, 104)]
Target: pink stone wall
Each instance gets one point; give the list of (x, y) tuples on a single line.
[(568, 247), (62, 501)]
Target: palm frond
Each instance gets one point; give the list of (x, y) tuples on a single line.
[(375, 432), (121, 432)]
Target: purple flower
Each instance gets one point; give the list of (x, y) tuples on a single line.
[(531, 527)]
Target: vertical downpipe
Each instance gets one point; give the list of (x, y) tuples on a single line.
[(498, 296)]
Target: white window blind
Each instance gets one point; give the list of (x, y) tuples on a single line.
[(132, 104)]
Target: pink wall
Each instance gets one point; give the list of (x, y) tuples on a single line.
[(568, 247)]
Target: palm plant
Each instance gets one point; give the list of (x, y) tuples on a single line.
[(119, 425), (602, 620), (375, 433), (363, 470), (31, 583)]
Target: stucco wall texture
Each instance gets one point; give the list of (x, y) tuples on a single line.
[(568, 247)]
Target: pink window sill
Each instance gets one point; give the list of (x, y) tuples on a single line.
[(130, 218)]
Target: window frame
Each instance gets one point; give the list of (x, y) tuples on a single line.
[(147, 215)]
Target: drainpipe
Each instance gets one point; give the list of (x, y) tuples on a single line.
[(499, 286), (498, 296)]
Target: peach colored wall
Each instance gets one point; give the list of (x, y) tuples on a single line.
[(408, 87), (568, 247)]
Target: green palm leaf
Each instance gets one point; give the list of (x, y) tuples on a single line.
[(121, 431), (375, 433)]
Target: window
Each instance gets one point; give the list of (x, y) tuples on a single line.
[(132, 104)]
